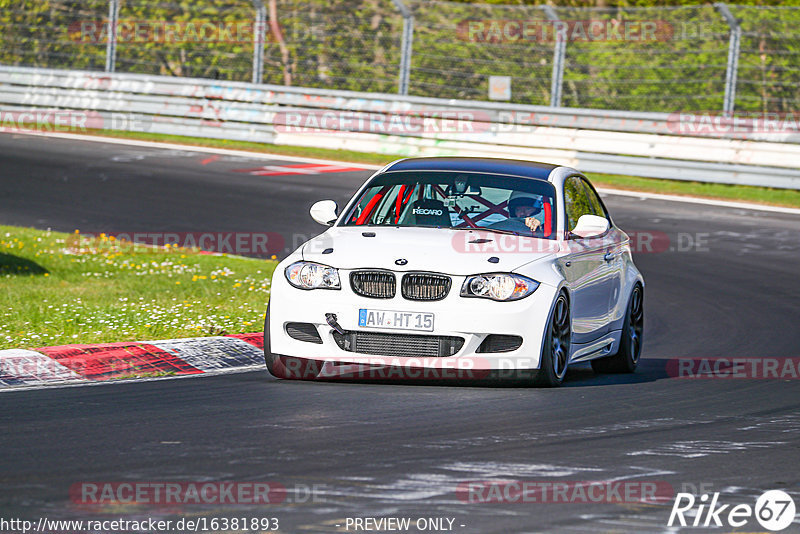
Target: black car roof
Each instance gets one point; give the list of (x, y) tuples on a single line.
[(512, 167)]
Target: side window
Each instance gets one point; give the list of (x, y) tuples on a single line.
[(594, 201), (576, 201)]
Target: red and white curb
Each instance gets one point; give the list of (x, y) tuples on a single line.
[(72, 364)]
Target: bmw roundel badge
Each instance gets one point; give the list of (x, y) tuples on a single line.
[(400, 261)]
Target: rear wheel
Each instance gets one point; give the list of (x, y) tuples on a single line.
[(630, 345), (556, 346)]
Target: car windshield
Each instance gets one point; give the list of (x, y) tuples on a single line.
[(459, 200)]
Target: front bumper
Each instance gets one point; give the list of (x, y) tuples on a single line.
[(471, 319)]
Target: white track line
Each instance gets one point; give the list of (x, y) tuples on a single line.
[(263, 155), (203, 149)]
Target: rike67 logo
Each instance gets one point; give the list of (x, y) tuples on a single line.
[(774, 510)]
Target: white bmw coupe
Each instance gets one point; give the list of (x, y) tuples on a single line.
[(466, 268)]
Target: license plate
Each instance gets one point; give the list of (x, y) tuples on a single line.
[(395, 319)]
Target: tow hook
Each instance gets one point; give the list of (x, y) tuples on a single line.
[(330, 318)]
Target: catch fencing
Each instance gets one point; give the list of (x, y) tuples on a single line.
[(724, 58)]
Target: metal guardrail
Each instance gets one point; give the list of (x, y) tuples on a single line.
[(615, 142)]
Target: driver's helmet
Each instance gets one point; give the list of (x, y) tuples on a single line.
[(518, 199)]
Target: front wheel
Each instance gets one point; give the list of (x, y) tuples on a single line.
[(630, 345), (274, 365), (556, 346)]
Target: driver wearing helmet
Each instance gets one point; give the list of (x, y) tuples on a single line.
[(523, 207)]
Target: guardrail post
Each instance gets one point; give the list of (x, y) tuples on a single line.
[(559, 52), (733, 58), (259, 40), (111, 40), (405, 47)]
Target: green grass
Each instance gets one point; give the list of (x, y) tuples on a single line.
[(743, 193), (56, 293)]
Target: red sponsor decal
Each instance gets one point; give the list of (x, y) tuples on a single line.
[(567, 491)]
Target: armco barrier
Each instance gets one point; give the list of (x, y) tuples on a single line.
[(616, 142)]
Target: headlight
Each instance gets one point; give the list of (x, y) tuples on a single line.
[(308, 275), (498, 286)]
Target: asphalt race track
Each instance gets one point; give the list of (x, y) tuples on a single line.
[(728, 288)]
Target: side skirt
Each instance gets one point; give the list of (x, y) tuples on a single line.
[(605, 346)]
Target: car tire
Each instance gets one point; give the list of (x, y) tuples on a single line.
[(274, 364), (630, 347), (556, 346)]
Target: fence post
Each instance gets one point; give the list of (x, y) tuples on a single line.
[(733, 58), (405, 47), (111, 40), (259, 39), (559, 51)]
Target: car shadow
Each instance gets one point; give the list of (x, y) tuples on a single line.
[(648, 370), (17, 266)]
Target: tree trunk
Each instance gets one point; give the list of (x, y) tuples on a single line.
[(275, 28)]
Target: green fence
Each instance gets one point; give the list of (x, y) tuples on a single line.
[(681, 58)]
